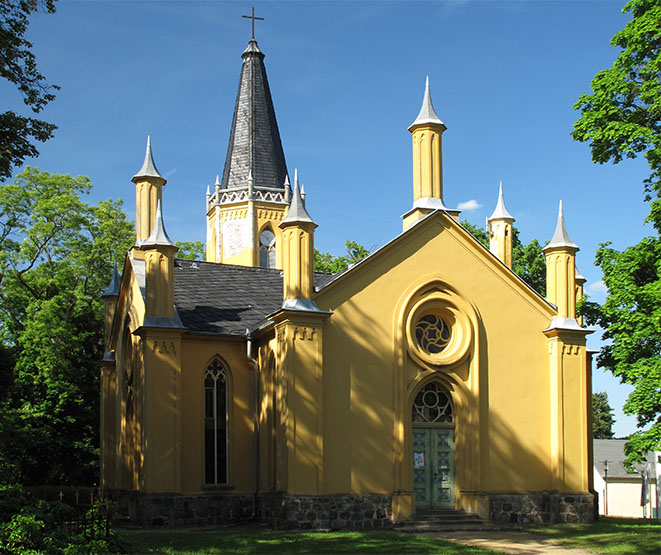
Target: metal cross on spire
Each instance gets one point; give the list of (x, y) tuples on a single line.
[(253, 21)]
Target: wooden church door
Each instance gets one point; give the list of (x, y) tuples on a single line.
[(433, 449), (433, 468)]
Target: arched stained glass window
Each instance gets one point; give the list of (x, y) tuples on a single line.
[(432, 405), (215, 424), (267, 249)]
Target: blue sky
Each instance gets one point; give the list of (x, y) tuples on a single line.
[(347, 80)]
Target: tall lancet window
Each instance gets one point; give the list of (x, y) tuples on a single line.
[(215, 424), (267, 249)]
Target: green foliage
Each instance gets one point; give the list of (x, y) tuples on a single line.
[(602, 416), (19, 67), (631, 318), (56, 255), (622, 116), (190, 250), (326, 263), (528, 261), (622, 119), (34, 525)]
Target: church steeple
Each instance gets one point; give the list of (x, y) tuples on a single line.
[(254, 143), (251, 199)]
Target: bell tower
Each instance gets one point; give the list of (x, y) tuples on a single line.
[(253, 195)]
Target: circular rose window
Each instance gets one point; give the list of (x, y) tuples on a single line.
[(438, 332), (432, 334)]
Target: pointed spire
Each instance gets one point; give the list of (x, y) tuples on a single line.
[(427, 113), (560, 237), (287, 187), (254, 142), (113, 287), (501, 213), (148, 168), (217, 183), (297, 211), (159, 236), (208, 191), (578, 278)]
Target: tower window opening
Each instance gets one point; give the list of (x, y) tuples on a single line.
[(267, 249)]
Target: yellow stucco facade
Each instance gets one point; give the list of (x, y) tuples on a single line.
[(428, 375)]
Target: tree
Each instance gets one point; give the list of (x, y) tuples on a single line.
[(622, 119), (190, 250), (602, 416), (56, 256), (326, 263), (19, 66), (528, 261), (631, 318)]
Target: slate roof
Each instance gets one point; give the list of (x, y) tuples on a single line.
[(612, 450), (254, 142), (226, 299)]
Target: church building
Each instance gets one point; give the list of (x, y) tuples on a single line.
[(428, 376)]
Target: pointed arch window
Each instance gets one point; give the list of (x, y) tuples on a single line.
[(215, 424), (267, 248)]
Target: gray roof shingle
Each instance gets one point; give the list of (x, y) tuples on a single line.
[(612, 450), (226, 299)]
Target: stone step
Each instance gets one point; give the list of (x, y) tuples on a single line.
[(449, 516), (443, 520)]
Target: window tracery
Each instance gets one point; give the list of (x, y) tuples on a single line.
[(432, 333), (432, 405), (215, 424)]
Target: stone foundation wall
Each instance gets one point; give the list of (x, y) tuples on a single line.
[(188, 510), (334, 512), (541, 508)]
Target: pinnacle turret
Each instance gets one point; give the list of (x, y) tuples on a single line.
[(297, 211), (113, 287), (148, 168), (159, 236), (501, 213), (560, 237), (427, 113)]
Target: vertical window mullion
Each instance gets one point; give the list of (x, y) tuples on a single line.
[(215, 429)]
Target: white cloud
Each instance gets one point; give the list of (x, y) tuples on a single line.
[(598, 287), (469, 205)]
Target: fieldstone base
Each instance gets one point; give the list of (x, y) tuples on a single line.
[(541, 508), (334, 512), (186, 510)]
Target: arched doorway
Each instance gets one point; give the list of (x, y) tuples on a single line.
[(432, 417)]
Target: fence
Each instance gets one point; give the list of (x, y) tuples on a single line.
[(84, 512)]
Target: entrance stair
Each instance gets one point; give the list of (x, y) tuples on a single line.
[(443, 520)]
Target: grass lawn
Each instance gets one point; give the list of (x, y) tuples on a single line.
[(259, 540), (609, 535)]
